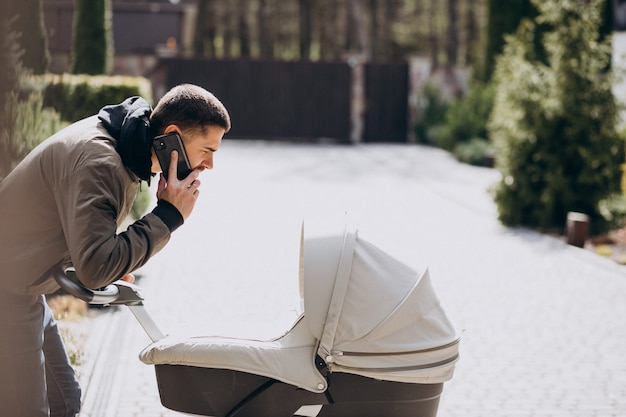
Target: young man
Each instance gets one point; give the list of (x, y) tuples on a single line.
[(62, 206)]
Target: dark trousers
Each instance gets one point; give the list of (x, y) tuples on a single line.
[(36, 378)]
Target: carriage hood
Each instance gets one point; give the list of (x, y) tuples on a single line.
[(373, 315)]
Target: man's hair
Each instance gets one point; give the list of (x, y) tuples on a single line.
[(189, 106)]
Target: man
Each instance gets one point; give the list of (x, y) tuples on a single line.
[(62, 206)]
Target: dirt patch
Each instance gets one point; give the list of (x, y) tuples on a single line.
[(611, 245), (74, 320)]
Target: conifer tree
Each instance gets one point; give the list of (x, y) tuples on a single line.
[(27, 21), (23, 120), (554, 120), (91, 39)]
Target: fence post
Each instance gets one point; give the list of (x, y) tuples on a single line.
[(357, 98)]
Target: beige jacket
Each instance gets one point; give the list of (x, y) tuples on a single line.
[(63, 204)]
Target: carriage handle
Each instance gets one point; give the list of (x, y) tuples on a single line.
[(118, 293)]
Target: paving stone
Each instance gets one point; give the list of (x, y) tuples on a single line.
[(542, 323)]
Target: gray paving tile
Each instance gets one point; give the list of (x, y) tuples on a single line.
[(542, 323)]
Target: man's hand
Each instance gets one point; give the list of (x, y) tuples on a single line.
[(182, 194)]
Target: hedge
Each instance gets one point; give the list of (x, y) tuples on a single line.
[(75, 97)]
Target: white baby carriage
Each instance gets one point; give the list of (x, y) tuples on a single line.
[(373, 340)]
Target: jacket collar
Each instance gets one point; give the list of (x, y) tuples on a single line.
[(129, 123)]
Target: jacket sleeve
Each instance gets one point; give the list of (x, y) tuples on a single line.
[(90, 202)]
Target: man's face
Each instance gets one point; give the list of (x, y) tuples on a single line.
[(200, 146)]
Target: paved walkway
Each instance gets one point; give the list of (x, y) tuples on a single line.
[(543, 324)]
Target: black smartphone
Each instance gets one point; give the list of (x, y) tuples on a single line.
[(163, 146)]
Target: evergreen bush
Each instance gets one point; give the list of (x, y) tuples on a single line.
[(476, 151), (23, 120), (10, 63), (91, 39), (27, 21), (467, 117), (432, 112), (79, 96), (28, 123), (462, 128), (554, 120), (142, 201)]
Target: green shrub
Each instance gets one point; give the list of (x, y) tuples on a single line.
[(612, 210), (467, 117), (476, 151), (441, 136), (79, 96), (11, 68), (432, 111), (460, 123), (24, 122), (141, 203), (554, 124), (27, 124)]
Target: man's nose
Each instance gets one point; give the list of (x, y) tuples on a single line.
[(207, 163)]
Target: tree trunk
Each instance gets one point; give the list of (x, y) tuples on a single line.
[(244, 29), (387, 44), (358, 26), (306, 28), (229, 28), (472, 31), (373, 33), (329, 28), (204, 37), (433, 36), (453, 33), (265, 31)]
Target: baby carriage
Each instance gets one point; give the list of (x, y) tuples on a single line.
[(373, 340)]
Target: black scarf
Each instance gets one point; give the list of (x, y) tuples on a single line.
[(129, 123)]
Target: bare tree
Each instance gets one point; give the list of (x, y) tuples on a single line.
[(380, 30), (472, 30), (329, 27), (264, 27), (432, 33), (244, 28), (356, 39), (204, 37), (306, 27), (373, 29), (227, 28), (387, 43), (452, 46)]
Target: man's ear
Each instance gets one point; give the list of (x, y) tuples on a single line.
[(170, 129)]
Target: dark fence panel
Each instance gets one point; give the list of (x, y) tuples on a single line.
[(140, 28), (137, 27), (386, 105), (273, 100)]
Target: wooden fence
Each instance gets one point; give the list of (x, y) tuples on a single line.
[(300, 100)]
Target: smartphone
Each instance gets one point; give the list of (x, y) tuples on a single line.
[(163, 146)]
